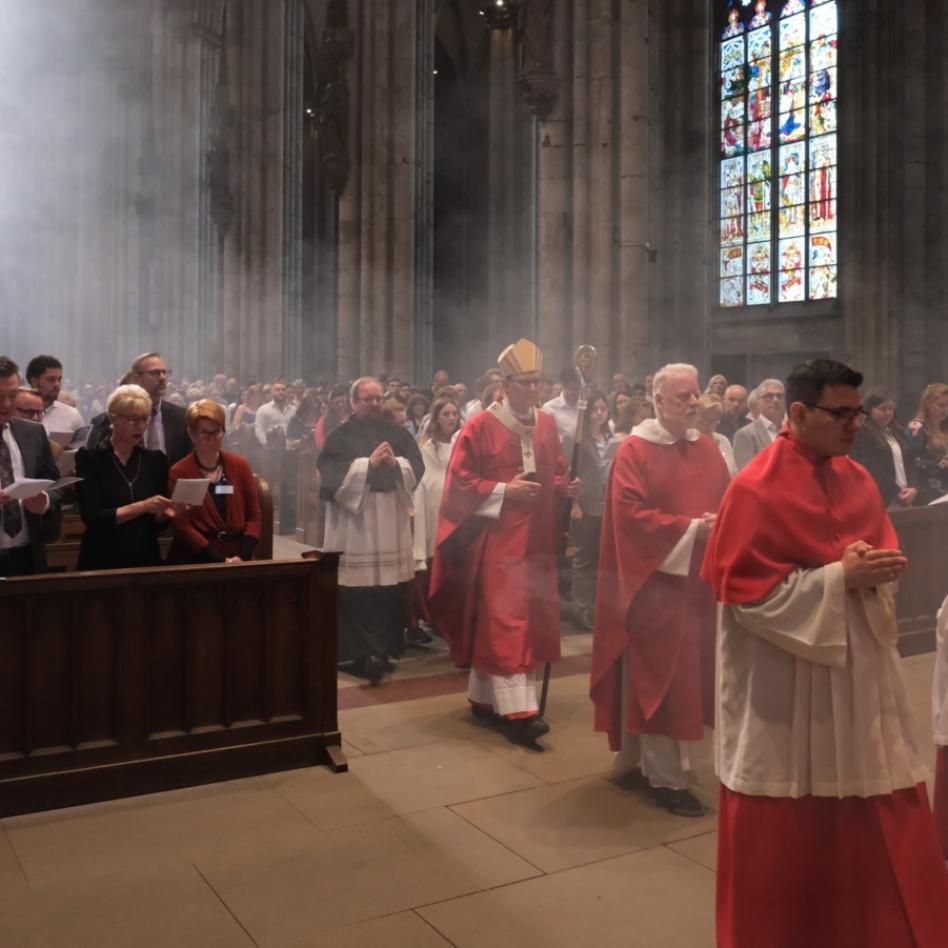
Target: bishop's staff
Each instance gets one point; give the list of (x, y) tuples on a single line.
[(583, 362)]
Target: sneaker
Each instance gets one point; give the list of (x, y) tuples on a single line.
[(679, 802), (418, 636)]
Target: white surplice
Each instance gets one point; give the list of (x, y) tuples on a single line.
[(810, 693), (372, 528), (940, 687), (428, 493)]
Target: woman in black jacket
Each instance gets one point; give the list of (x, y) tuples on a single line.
[(880, 448)]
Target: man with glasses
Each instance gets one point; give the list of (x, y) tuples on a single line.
[(825, 832), (369, 468), (24, 452), (750, 440), (493, 592), (167, 429)]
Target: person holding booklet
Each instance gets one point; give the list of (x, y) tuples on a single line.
[(225, 527), (121, 495)]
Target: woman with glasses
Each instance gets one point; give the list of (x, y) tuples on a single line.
[(226, 527), (121, 496), (880, 448), (927, 438)]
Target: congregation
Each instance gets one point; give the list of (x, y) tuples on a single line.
[(463, 517)]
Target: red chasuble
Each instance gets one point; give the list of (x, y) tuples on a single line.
[(664, 623), (789, 510), (493, 592)]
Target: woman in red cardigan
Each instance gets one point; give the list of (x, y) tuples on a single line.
[(226, 527)]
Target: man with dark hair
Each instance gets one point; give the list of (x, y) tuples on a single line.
[(825, 832), (565, 407), (369, 468), (735, 412), (29, 404), (45, 374), (24, 453)]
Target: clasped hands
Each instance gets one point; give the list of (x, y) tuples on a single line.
[(383, 454), (706, 524), (865, 567)]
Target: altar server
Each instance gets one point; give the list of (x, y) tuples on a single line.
[(826, 836)]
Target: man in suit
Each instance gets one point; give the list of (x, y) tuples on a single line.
[(735, 412), (24, 452), (167, 431), (753, 438)]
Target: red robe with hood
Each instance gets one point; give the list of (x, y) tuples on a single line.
[(661, 625), (493, 592)]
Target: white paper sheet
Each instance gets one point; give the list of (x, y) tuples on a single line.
[(26, 487), (190, 490)]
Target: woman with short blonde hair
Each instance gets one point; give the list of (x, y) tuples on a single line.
[(121, 495), (226, 527), (710, 412)]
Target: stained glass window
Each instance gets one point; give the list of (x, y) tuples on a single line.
[(778, 183)]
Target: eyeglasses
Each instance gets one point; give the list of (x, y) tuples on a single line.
[(36, 413), (208, 435), (777, 397), (527, 383), (843, 416), (156, 373)]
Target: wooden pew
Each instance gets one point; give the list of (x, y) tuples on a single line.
[(63, 555), (122, 682), (923, 537)]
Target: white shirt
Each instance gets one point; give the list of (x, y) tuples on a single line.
[(16, 460), (59, 418), (770, 427), (269, 417), (564, 415), (901, 481)]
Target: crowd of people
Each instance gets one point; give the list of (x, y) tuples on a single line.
[(731, 551)]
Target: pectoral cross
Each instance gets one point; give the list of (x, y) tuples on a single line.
[(527, 453)]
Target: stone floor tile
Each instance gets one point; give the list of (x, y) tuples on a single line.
[(655, 898), (404, 781), (403, 930), (168, 828), (144, 908), (577, 822), (357, 873), (409, 723), (702, 849), (13, 881)]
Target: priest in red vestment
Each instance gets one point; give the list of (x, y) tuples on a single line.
[(493, 592), (826, 838), (653, 645)]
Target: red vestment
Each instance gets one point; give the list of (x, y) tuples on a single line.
[(664, 623), (784, 512), (820, 871), (493, 592)]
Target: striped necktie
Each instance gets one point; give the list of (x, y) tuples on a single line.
[(12, 515)]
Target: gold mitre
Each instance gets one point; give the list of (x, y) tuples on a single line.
[(521, 357)]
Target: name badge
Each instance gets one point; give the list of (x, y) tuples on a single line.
[(223, 488)]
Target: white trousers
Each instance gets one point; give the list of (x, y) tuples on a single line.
[(506, 694)]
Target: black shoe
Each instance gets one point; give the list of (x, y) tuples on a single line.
[(486, 715), (527, 731), (418, 636), (679, 802), (374, 669)]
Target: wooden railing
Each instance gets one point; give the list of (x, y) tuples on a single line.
[(130, 681)]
